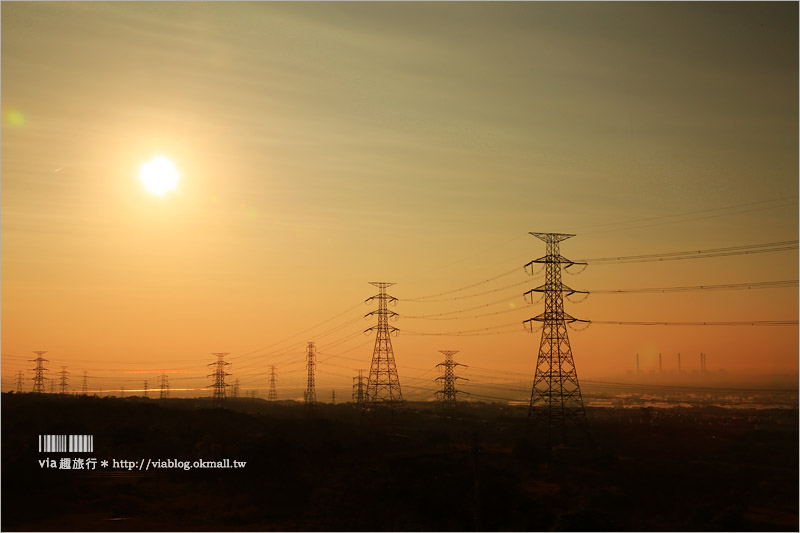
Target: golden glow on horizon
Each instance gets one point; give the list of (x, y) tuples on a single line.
[(302, 177), (159, 176)]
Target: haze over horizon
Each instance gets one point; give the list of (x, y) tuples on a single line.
[(322, 146)]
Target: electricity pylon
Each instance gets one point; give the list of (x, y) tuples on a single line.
[(272, 395), (219, 376), (145, 389), (333, 396), (63, 380), (310, 395), (383, 386), (38, 377), (52, 382), (448, 395), (19, 381), (236, 388), (85, 385), (556, 401), (164, 387), (359, 389)]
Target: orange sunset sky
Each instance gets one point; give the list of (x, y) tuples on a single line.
[(322, 146)]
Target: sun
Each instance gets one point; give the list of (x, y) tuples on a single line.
[(159, 176)]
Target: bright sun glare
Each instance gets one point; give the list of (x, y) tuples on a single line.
[(159, 175)]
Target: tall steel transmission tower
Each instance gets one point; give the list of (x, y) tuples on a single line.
[(235, 390), (38, 377), (85, 385), (556, 401), (219, 376), (63, 380), (163, 387), (448, 395), (359, 389), (272, 395), (383, 386), (19, 381), (52, 382), (310, 395), (145, 389), (333, 396)]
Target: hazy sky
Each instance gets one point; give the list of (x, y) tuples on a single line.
[(325, 145)]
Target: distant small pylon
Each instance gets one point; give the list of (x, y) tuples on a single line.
[(333, 396), (84, 385), (235, 391), (359, 389), (38, 377), (164, 387), (447, 396), (63, 373), (310, 395), (19, 381), (219, 376), (272, 395)]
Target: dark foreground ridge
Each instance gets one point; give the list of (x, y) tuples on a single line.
[(679, 469)]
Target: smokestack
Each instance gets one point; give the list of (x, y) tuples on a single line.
[(679, 362), (637, 363), (660, 368)]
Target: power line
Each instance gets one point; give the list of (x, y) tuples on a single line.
[(468, 295), (721, 287), (593, 228), (502, 300), (709, 323), (700, 254), (463, 317), (464, 332), (304, 331), (324, 334), (463, 288)]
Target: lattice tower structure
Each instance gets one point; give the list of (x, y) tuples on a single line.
[(556, 405)]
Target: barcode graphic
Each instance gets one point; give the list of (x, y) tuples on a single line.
[(66, 443)]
